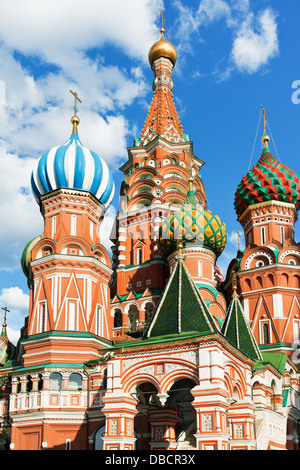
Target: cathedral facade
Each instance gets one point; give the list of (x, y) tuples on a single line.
[(154, 349)]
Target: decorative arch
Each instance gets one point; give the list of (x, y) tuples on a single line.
[(175, 375), (69, 241), (130, 383), (238, 382)]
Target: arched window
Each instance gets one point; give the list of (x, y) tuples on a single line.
[(55, 381), (75, 382), (118, 319), (98, 441), (133, 318), (149, 309), (235, 394), (40, 383), (28, 383)]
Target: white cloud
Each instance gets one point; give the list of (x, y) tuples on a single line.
[(252, 50), (106, 228), (18, 210), (230, 251), (14, 298), (35, 107), (17, 302), (255, 38), (54, 29)]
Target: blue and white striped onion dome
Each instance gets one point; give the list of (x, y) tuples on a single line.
[(73, 166)]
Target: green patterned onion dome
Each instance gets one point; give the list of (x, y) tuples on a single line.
[(269, 180), (26, 255), (192, 224), (7, 349)]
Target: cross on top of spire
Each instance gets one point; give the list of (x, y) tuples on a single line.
[(75, 119)]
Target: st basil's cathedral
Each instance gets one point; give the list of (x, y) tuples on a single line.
[(153, 349)]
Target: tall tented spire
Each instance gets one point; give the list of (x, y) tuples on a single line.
[(236, 329), (181, 309), (162, 119)]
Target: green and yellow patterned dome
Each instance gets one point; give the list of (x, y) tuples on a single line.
[(192, 224), (26, 255)]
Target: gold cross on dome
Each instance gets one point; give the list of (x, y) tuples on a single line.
[(76, 99)]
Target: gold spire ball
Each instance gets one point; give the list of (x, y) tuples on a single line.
[(162, 48)]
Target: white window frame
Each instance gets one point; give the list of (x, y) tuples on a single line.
[(73, 224)]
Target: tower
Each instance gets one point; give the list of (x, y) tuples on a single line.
[(69, 273), (266, 203), (155, 184)]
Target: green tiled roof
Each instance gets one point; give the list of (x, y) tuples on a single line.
[(236, 329), (277, 359), (181, 308)]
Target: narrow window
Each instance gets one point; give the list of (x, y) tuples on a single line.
[(98, 326), (266, 337), (73, 225), (282, 234), (296, 332), (72, 312), (139, 256), (53, 226), (42, 317), (263, 235), (199, 268)]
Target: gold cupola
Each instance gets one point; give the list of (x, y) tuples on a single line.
[(162, 48)]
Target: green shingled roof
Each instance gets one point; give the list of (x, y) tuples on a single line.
[(181, 308), (236, 329)]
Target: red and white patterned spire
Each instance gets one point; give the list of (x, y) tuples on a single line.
[(162, 119)]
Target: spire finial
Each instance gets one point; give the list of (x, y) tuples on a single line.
[(75, 119), (265, 138), (234, 284), (191, 178), (239, 240), (4, 321), (162, 29)]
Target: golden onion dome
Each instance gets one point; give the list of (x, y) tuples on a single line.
[(162, 48)]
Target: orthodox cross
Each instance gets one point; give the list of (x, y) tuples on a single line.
[(162, 19), (265, 119), (239, 239), (75, 102), (5, 312)]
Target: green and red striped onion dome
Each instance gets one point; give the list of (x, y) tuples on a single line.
[(192, 225), (269, 180)]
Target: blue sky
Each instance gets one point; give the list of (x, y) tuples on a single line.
[(233, 56)]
